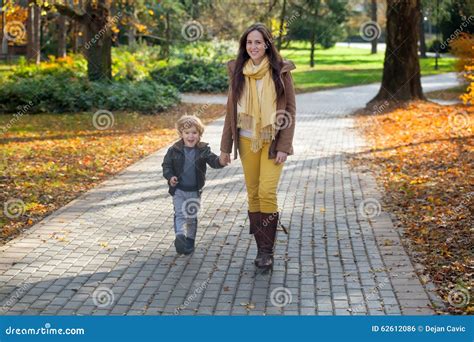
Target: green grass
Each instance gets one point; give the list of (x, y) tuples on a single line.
[(342, 67), (335, 67)]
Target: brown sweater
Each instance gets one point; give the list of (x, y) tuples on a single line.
[(286, 106)]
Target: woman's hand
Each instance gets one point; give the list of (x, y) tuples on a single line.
[(280, 157), (224, 159), (173, 181)]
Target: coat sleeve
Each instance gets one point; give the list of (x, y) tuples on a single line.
[(168, 166), (212, 159), (285, 140)]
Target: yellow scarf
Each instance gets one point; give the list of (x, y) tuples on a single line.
[(257, 113)]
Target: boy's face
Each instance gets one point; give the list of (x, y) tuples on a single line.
[(190, 136)]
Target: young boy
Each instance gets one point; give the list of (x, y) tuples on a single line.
[(184, 166)]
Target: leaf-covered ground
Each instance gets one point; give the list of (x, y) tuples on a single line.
[(47, 160), (424, 156)]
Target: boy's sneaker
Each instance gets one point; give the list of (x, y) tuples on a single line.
[(180, 244), (189, 246)]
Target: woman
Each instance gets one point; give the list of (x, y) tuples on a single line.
[(260, 124)]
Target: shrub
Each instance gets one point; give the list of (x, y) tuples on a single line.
[(69, 94), (215, 50), (193, 75), (74, 65), (134, 63)]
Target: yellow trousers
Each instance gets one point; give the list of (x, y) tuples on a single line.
[(261, 177)]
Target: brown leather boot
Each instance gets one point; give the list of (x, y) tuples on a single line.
[(266, 235), (254, 219)]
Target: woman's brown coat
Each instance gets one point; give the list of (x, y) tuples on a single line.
[(286, 111)]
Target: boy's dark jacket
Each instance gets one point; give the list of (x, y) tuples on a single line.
[(173, 163)]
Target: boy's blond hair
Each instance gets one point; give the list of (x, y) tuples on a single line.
[(188, 121)]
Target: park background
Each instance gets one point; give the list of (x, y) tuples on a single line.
[(87, 88)]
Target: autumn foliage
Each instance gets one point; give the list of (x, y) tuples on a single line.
[(424, 157), (463, 48), (48, 160)]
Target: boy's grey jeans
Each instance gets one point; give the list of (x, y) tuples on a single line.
[(186, 209)]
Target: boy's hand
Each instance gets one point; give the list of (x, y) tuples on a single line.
[(224, 159), (173, 181)]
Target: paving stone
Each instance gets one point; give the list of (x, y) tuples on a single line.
[(329, 262)]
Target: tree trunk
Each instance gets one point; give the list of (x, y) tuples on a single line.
[(4, 38), (132, 36), (132, 31), (195, 12), (401, 72), (374, 19), (313, 44), (37, 41), (167, 43), (33, 47), (99, 51), (282, 23), (422, 36), (77, 32), (62, 35), (98, 47)]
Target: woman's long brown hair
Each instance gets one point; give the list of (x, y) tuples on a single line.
[(274, 58)]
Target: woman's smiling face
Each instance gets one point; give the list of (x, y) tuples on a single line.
[(256, 46)]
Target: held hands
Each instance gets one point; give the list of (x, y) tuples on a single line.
[(280, 157), (173, 181), (224, 159)]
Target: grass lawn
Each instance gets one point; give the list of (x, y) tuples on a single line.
[(335, 67), (46, 160), (343, 66), (423, 156)]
